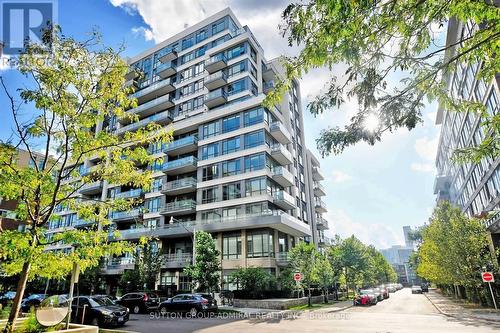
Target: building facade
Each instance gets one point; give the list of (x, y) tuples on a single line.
[(234, 168), (473, 187)]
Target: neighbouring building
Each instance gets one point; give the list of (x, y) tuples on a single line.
[(234, 169), (399, 257), (473, 187)]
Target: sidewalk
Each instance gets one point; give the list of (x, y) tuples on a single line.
[(452, 308)]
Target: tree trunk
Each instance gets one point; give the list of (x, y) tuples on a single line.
[(309, 297), (16, 303)]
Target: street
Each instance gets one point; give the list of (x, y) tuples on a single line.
[(402, 312)]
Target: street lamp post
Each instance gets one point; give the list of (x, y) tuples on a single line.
[(193, 239)]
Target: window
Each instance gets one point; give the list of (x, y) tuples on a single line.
[(230, 145), (236, 87), (186, 90), (187, 43), (210, 215), (231, 212), (184, 282), (209, 195), (236, 51), (231, 246), (253, 117), (230, 123), (255, 186), (187, 57), (210, 172), (218, 41), (257, 209), (156, 184), (201, 35), (155, 148), (211, 129), (260, 244), (210, 150), (218, 27), (153, 205), (199, 68), (157, 165), (255, 162), (236, 69), (231, 191), (152, 223), (230, 168), (187, 74), (254, 139), (167, 278), (197, 102)]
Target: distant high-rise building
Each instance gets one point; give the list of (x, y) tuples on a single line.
[(408, 241)]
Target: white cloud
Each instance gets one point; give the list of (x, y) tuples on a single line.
[(423, 167), (426, 147), (143, 32), (380, 235), (340, 177)]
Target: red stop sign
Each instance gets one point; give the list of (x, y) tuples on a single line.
[(487, 277), (297, 276)]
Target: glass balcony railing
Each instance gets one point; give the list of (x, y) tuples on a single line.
[(185, 161), (155, 86), (180, 183), (157, 103), (129, 194), (215, 59), (162, 116), (189, 140), (218, 93), (130, 214), (188, 204)]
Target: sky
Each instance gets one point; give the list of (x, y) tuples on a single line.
[(372, 191)]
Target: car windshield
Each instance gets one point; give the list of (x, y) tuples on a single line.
[(100, 301), (366, 291)]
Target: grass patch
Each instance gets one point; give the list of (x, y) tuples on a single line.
[(312, 307), (227, 311)]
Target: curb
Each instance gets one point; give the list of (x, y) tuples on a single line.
[(457, 317)]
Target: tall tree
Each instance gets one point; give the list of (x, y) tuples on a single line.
[(354, 261), (73, 89), (205, 271), (380, 41), (323, 274), (303, 258)]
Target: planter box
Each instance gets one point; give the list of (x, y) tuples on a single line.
[(73, 328)]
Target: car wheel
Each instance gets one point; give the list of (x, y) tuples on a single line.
[(193, 312), (163, 310), (136, 309), (94, 322)]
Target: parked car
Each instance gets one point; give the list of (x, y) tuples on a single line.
[(391, 288), (399, 286), (98, 311), (189, 303), (425, 287), (32, 301), (378, 294), (139, 302), (111, 297), (385, 291), (362, 300), (371, 295), (416, 290), (7, 297)]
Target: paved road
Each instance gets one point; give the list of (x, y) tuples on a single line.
[(402, 312)]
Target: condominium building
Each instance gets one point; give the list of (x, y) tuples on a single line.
[(473, 187), (234, 168)]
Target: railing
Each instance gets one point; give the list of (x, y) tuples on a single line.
[(216, 94), (129, 194), (165, 66), (190, 160), (492, 219), (141, 123), (180, 183), (188, 204), (88, 170), (319, 203), (117, 262), (134, 213), (282, 171), (150, 104), (284, 196), (282, 256), (215, 76), (189, 140), (178, 258), (319, 186), (216, 58), (151, 88), (90, 186)]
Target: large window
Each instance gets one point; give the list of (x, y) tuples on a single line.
[(210, 150), (218, 27), (211, 129), (236, 87), (210, 172), (231, 212), (237, 68), (236, 51), (209, 195), (153, 205), (230, 145), (253, 117), (231, 246), (231, 191), (231, 168), (255, 186), (260, 244), (255, 162), (231, 123), (254, 139)]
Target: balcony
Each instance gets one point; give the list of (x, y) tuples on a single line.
[(179, 207), (135, 193), (154, 106), (215, 80), (181, 146), (168, 55), (180, 186), (316, 174), (155, 90), (281, 154), (324, 241), (282, 176), (89, 170), (216, 63), (319, 190), (284, 200), (321, 223), (280, 132), (320, 206), (132, 84), (133, 74), (282, 259), (118, 265), (82, 223), (268, 86), (91, 188), (160, 118), (177, 260), (215, 98), (166, 69), (126, 215), (268, 73), (182, 165)]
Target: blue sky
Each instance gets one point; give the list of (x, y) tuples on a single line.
[(372, 191)]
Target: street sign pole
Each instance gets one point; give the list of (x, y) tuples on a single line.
[(492, 296)]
